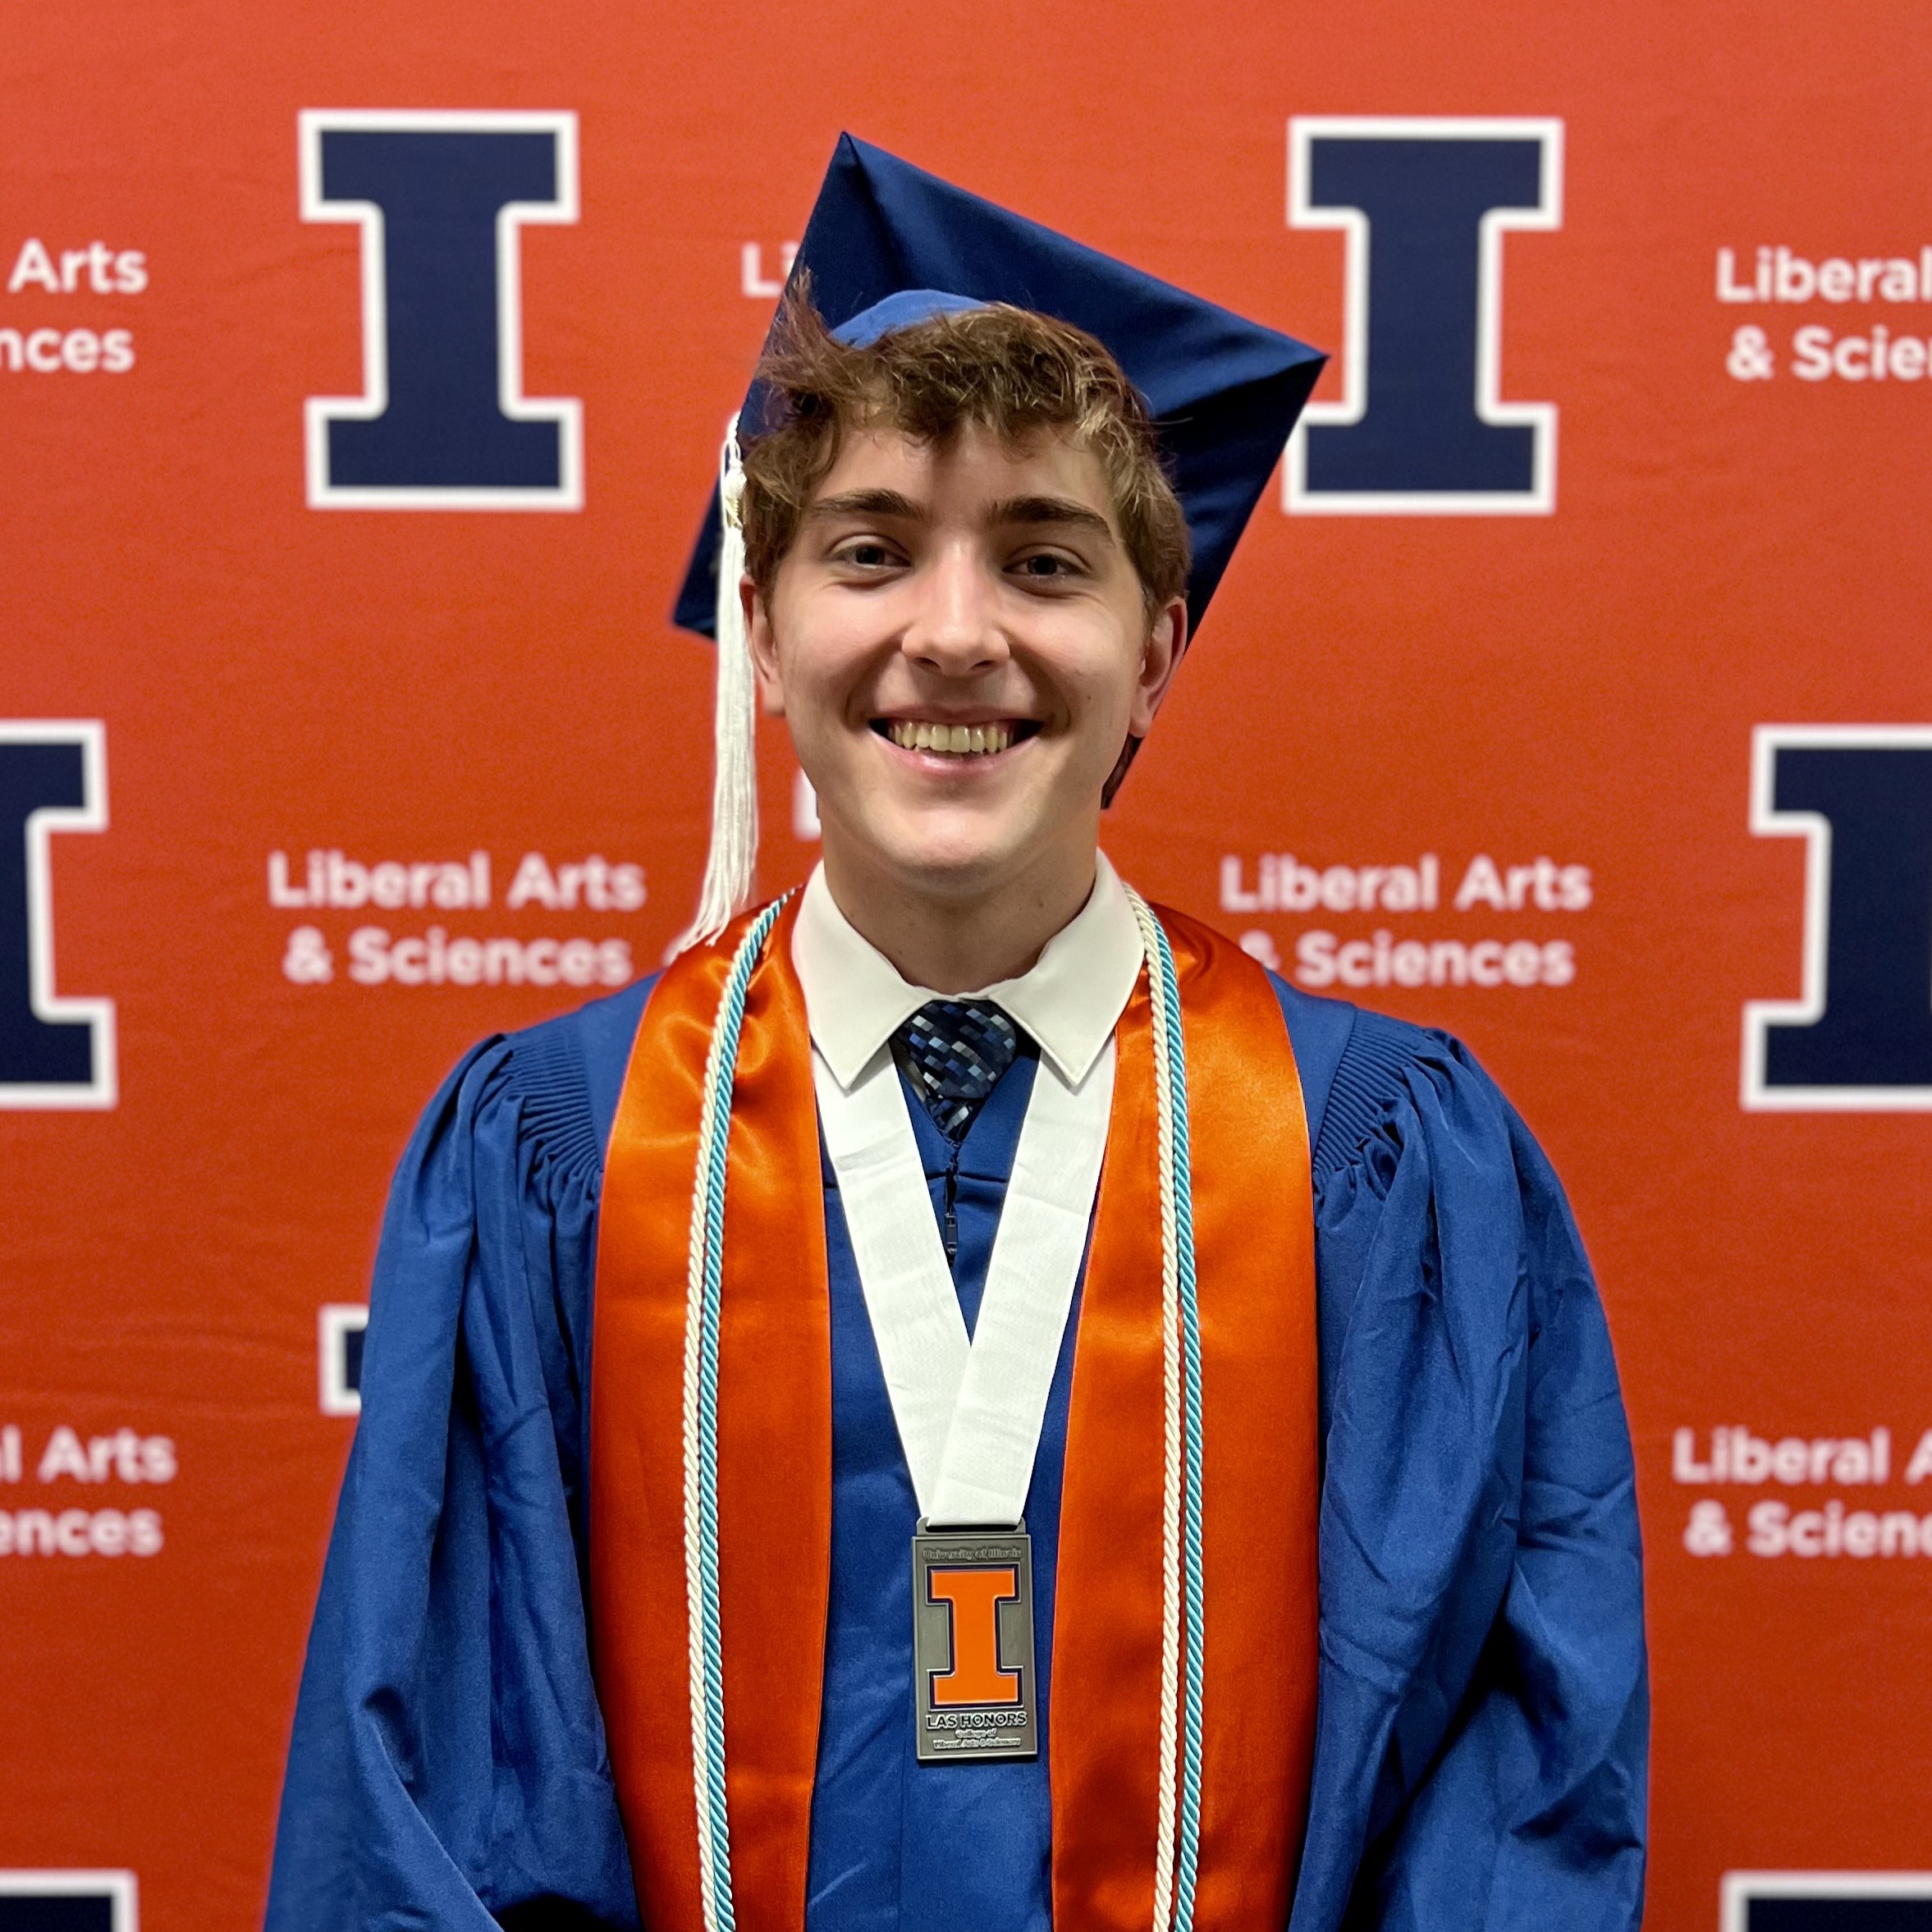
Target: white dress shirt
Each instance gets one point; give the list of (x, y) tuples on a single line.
[(1070, 1000)]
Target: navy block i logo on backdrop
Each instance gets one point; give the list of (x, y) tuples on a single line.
[(67, 1902), (1826, 1902), (1859, 1037), (442, 423), (54, 1052), (1422, 429)]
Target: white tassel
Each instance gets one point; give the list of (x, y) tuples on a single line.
[(731, 869)]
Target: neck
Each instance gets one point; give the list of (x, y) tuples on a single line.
[(959, 941)]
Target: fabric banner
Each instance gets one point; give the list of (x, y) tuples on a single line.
[(362, 373)]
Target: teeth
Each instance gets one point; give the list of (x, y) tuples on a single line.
[(954, 740)]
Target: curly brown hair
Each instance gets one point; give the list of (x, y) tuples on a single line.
[(1010, 370)]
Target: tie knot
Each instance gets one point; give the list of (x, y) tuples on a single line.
[(955, 1051)]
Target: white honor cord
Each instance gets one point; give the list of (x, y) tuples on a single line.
[(1171, 1431), (707, 1744), (969, 1411)]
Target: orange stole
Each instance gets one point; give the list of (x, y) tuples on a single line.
[(1254, 1238)]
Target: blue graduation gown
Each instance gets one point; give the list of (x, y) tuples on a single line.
[(1482, 1728)]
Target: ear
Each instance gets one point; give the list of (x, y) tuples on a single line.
[(764, 649), (1160, 657)]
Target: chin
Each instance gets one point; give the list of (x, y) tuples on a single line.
[(949, 859)]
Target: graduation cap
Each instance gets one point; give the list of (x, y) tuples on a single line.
[(888, 246)]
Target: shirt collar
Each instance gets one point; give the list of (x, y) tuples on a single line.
[(1070, 1001)]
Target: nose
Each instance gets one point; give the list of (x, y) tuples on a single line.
[(955, 629)]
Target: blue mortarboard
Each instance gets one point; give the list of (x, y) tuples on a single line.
[(888, 246)]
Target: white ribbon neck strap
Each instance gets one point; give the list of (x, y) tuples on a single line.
[(969, 1411)]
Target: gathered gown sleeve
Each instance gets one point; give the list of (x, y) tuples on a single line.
[(448, 1768), (1482, 1737)]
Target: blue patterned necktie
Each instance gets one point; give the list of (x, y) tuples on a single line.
[(955, 1051)]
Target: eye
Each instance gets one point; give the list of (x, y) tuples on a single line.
[(866, 553), (1046, 566)]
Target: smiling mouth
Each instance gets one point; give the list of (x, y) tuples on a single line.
[(957, 741)]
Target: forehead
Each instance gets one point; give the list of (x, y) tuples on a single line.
[(973, 468)]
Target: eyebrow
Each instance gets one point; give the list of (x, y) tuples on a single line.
[(1062, 510), (1033, 510), (867, 503)]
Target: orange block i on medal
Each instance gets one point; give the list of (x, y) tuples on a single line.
[(1256, 1301), (973, 1596)]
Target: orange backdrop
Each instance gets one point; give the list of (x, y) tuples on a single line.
[(1726, 552)]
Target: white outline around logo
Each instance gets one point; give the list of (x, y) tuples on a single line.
[(1540, 499), (119, 1887), (1737, 1890), (1814, 828), (100, 1091), (335, 1321), (319, 411)]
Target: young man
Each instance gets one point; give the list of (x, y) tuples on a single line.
[(1077, 1433)]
